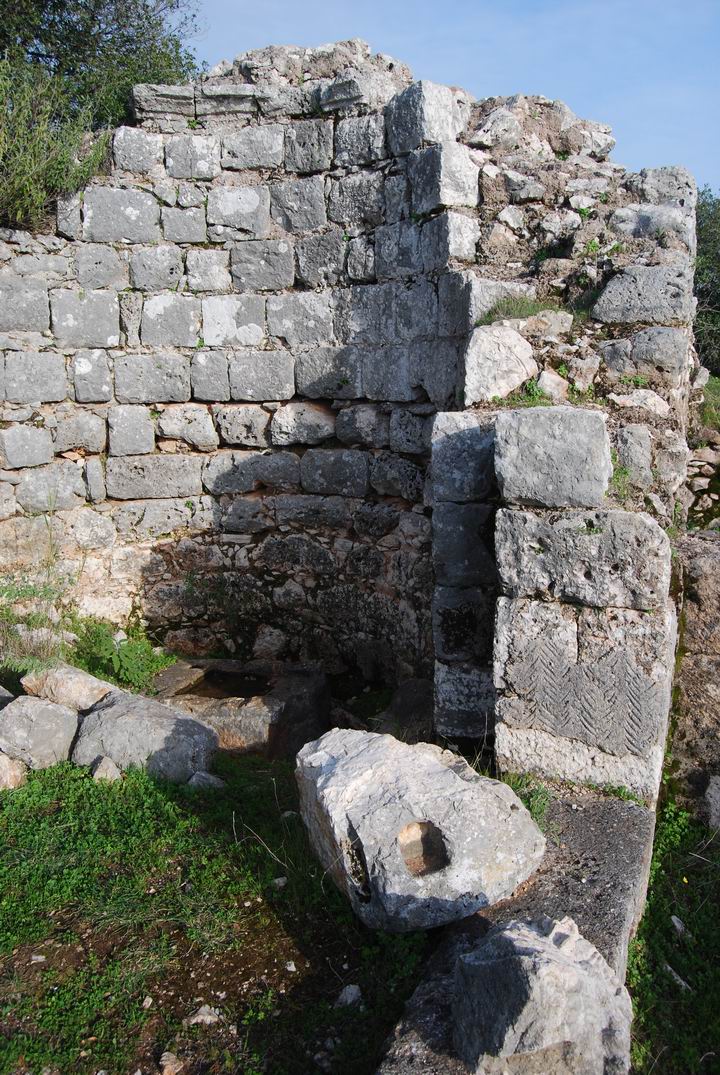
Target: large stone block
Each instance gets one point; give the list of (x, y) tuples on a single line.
[(262, 375), (359, 140), (365, 424), (193, 156), (35, 377), (460, 555), (158, 102), (90, 319), (154, 268), (443, 175), (497, 361), (462, 622), (655, 295), (299, 204), (207, 270), (391, 475), (25, 446), (137, 151), (37, 732), (153, 476), (79, 428), (302, 423), (463, 449), (423, 113), (464, 706), (244, 209), (599, 558), (403, 859), (117, 215), (254, 147), (653, 353), (329, 372), (448, 237), (357, 199), (184, 225), (235, 320), (552, 456), (209, 376), (337, 470), (191, 423), (65, 685), (98, 266), (321, 257), (161, 378), (584, 693), (131, 430), (56, 487), (397, 251), (230, 472), (171, 321), (309, 145), (244, 424), (301, 318), (263, 265)]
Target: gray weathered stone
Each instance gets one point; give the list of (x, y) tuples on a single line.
[(189, 422), (97, 266), (262, 375), (131, 304), (13, 773), (542, 998), (152, 378), (23, 305), (359, 140), (95, 480), (364, 424), (497, 361), (338, 470), (171, 320), (153, 476), (153, 268), (391, 475), (35, 377), (118, 215), (424, 112), (357, 199), (90, 319), (137, 151), (37, 732), (309, 145), (391, 845), (193, 156), (302, 423), (157, 102), (409, 433), (131, 430), (462, 623), (105, 769), (301, 318), (361, 259), (460, 556), (207, 270), (464, 701), (56, 487), (243, 424), (184, 225), (649, 221), (254, 147), (66, 686), (463, 446), (263, 265), (230, 472), (25, 446), (443, 175), (448, 237), (235, 320), (209, 376), (656, 295), (136, 731), (299, 204), (600, 558), (634, 448), (397, 250), (533, 464), (321, 257), (79, 428), (330, 372), (244, 209)]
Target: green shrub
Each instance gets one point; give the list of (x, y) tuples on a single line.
[(131, 662), (707, 279), (46, 148)]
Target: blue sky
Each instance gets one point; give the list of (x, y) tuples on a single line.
[(649, 68)]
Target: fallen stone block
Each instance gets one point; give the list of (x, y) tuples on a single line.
[(136, 731), (13, 773), (37, 732), (542, 998), (66, 685), (653, 294), (425, 841), (497, 361)]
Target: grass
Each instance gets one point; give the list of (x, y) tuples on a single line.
[(517, 306), (530, 395), (139, 890), (676, 1030), (710, 413)]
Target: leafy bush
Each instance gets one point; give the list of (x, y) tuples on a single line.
[(46, 148), (130, 662), (707, 279)]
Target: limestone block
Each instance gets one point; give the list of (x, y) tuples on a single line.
[(136, 731), (554, 386), (171, 320), (397, 251), (153, 476), (7, 510), (364, 315), (357, 199), (152, 378), (361, 259), (301, 318), (223, 99), (13, 774), (463, 447), (397, 198), (189, 422), (462, 619), (131, 304), (131, 430), (302, 423), (37, 732), (138, 151), (154, 268), (79, 428), (423, 113), (67, 686), (192, 156), (245, 209), (364, 424), (299, 204), (542, 998), (207, 270), (465, 298), (338, 470), (56, 487), (391, 475), (69, 216), (230, 472), (443, 175), (464, 701), (329, 372), (648, 221), (656, 295), (666, 186), (263, 265), (98, 266), (599, 558), (91, 376), (118, 215), (184, 225), (359, 140), (309, 145), (243, 424), (321, 257), (254, 147), (497, 361), (313, 512), (262, 375), (25, 446), (89, 319), (235, 320), (152, 102), (35, 377), (533, 464), (671, 461), (448, 237), (644, 398), (416, 310), (584, 692), (634, 448), (460, 555), (409, 433), (392, 846), (209, 376)]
